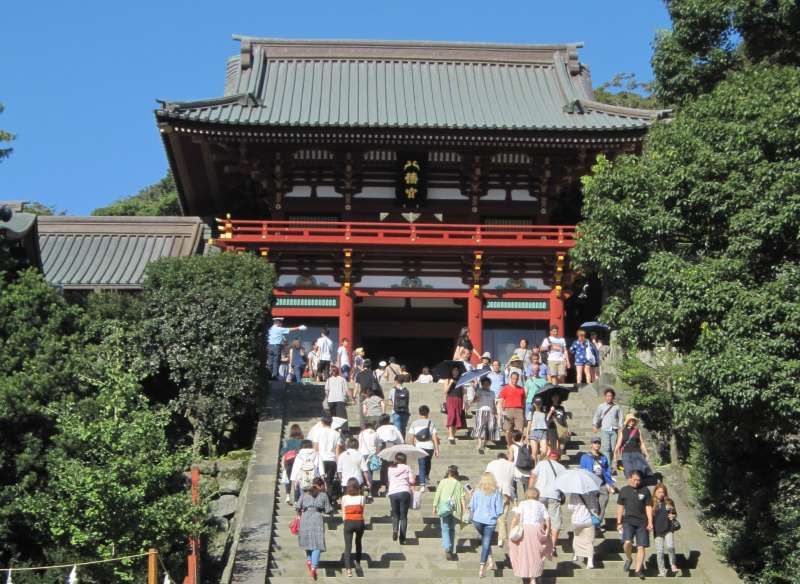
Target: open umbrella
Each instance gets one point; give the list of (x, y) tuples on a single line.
[(444, 369), (546, 392), (412, 452), (472, 376), (595, 327), (577, 481)]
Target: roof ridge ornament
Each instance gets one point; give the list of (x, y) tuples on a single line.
[(574, 107)]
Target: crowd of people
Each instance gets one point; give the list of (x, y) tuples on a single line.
[(551, 360), (515, 499)]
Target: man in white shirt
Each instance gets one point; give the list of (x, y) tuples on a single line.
[(543, 478), (424, 435), (351, 465), (328, 443), (325, 349), (343, 358), (557, 356), (504, 473)]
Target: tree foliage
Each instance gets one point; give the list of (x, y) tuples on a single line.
[(709, 38), (115, 486), (697, 242), (5, 137), (203, 319), (38, 336), (627, 91), (160, 199)]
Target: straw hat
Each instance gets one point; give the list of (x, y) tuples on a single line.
[(359, 351), (630, 417)]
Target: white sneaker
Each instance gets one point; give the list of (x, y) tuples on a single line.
[(590, 564), (288, 499), (574, 558)]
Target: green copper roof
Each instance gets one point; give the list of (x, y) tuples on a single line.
[(408, 85), (111, 252)]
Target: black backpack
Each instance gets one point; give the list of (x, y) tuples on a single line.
[(524, 458), (401, 400), (424, 434)]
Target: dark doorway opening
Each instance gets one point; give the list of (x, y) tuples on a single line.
[(414, 353)]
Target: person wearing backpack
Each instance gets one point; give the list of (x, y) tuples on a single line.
[(401, 401), (520, 454), (449, 504), (307, 466), (291, 446), (543, 478), (424, 435)]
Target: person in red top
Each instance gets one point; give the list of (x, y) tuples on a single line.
[(511, 402)]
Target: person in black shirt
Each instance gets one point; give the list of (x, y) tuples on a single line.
[(635, 520)]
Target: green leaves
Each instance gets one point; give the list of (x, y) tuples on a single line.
[(711, 38), (156, 200), (203, 321), (697, 241)]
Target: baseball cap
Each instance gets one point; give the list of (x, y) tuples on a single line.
[(596, 439)]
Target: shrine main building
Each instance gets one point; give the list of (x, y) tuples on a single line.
[(401, 189)]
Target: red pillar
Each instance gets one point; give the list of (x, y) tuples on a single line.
[(475, 322), (346, 316), (557, 310)]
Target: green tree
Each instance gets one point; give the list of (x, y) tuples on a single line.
[(203, 321), (5, 137), (115, 485), (38, 339), (697, 241), (711, 37), (159, 199), (627, 91)]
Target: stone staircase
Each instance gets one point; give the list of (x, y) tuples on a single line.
[(422, 558)]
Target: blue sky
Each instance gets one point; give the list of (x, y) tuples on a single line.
[(79, 79)]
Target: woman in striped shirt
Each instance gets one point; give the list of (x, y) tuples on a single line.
[(353, 505)]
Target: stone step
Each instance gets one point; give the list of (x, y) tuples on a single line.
[(422, 559), (578, 576)]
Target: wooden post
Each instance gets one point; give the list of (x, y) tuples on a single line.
[(152, 566), (346, 316), (193, 561), (557, 310), (475, 320)]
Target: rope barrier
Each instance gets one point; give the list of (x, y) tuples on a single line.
[(168, 579), (29, 569)]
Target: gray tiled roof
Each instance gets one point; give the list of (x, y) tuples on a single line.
[(408, 85), (111, 252)]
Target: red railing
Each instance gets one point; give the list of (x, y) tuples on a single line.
[(235, 232)]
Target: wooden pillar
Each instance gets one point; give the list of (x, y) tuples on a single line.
[(193, 568), (346, 316), (475, 320), (557, 310), (152, 566)]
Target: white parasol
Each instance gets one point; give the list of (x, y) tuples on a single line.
[(412, 452), (577, 481)]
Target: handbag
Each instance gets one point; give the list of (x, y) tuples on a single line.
[(443, 409), (517, 533), (325, 405), (416, 501), (294, 526), (596, 521)]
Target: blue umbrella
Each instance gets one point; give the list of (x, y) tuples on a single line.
[(472, 376), (594, 326)]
